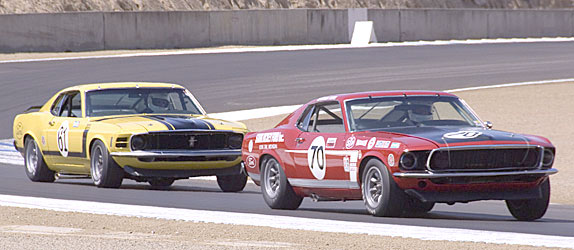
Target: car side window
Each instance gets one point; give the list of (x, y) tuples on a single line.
[(76, 105), (305, 120), (328, 118), (57, 106)]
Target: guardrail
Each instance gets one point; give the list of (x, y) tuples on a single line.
[(189, 29)]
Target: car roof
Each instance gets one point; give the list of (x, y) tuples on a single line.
[(358, 95), (114, 85)]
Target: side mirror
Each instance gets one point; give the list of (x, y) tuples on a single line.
[(488, 124)]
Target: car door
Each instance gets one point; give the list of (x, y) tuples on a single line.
[(320, 158), (66, 132)]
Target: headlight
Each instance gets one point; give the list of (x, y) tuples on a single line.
[(235, 141), (408, 161), (138, 143), (548, 158)]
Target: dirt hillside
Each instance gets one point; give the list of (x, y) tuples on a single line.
[(50, 6)]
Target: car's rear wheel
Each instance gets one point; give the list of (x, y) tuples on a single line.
[(36, 168), (232, 183), (161, 183), (381, 194), (277, 191), (104, 170), (531, 209)]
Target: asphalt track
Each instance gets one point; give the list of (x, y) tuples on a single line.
[(226, 82)]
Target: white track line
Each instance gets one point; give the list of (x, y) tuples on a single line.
[(286, 222), (511, 85), (305, 47)]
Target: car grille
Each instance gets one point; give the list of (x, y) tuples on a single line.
[(486, 159), (189, 141)]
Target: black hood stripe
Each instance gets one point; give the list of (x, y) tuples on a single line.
[(183, 122), (436, 134), (169, 126)]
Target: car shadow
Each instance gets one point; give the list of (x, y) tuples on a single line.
[(201, 187)]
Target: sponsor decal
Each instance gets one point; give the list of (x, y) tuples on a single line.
[(391, 160), (267, 146), (62, 138), (250, 146), (269, 137), (353, 173), (361, 143), (316, 158), (350, 143), (395, 145), (382, 144), (43, 140), (331, 142), (371, 143), (250, 161), (76, 124), (462, 135)]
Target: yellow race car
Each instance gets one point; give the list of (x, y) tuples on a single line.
[(148, 132)]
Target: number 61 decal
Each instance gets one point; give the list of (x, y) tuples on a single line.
[(316, 158), (62, 137)]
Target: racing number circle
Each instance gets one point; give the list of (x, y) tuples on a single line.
[(63, 138), (316, 158)]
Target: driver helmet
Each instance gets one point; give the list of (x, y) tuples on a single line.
[(159, 101), (421, 112)]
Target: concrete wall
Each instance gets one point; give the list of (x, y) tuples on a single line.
[(51, 32), (188, 29)]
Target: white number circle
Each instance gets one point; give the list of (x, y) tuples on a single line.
[(462, 135), (316, 158), (63, 138)]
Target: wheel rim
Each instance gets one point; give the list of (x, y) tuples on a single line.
[(97, 164), (31, 157), (272, 178), (373, 187)]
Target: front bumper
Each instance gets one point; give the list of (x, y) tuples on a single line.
[(467, 196), (180, 153), (431, 175), (182, 174)]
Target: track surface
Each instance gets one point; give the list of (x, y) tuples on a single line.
[(225, 82)]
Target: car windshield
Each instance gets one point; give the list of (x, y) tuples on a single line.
[(127, 101), (380, 113)]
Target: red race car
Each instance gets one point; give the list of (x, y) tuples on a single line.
[(400, 152)]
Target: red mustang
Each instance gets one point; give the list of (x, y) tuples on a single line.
[(401, 152)]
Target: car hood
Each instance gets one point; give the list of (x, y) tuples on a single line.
[(151, 122), (444, 136)]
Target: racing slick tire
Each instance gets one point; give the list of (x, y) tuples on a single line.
[(161, 183), (36, 168), (531, 209), (232, 183), (104, 170), (276, 190), (381, 194)]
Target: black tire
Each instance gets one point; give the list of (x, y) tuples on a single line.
[(232, 183), (532, 209), (276, 190), (381, 194), (104, 170), (161, 183), (34, 164)]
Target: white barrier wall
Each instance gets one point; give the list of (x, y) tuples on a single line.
[(188, 29)]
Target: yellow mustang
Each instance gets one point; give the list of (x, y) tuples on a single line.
[(148, 132)]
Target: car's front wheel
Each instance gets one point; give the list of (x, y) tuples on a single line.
[(104, 170), (36, 168), (277, 191), (232, 183), (381, 194), (532, 209)]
